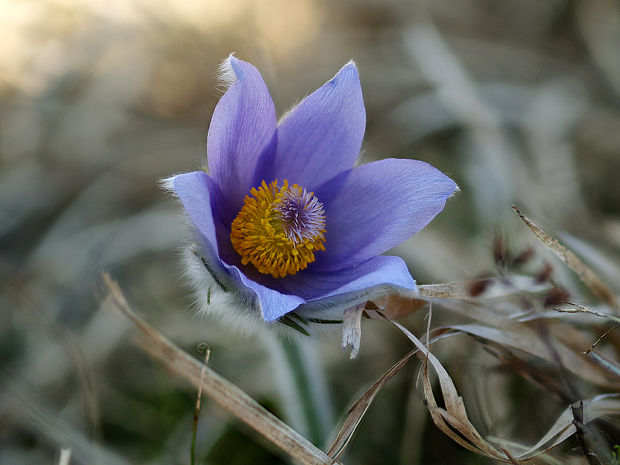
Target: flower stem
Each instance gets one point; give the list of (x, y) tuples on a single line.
[(302, 387)]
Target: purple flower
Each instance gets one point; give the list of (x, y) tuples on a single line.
[(284, 222)]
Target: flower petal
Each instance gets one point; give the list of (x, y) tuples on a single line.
[(337, 291), (374, 207), (322, 136), (193, 189), (381, 270), (243, 123), (271, 303), (329, 294)]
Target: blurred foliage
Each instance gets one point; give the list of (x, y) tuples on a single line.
[(518, 100)]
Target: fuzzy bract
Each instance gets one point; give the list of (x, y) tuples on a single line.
[(283, 192)]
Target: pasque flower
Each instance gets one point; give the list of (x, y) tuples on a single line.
[(284, 221)]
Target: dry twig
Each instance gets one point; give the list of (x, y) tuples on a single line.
[(222, 391)]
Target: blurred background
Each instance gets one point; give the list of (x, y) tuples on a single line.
[(517, 100)]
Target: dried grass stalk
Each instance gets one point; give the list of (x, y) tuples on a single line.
[(453, 419), (359, 408), (222, 391), (589, 278), (454, 422)]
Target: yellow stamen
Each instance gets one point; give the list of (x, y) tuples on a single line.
[(261, 235)]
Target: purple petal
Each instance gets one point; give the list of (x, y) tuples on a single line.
[(312, 291), (243, 123), (322, 136), (376, 206), (352, 283), (272, 304), (193, 191)]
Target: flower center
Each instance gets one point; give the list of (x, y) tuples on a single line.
[(279, 228)]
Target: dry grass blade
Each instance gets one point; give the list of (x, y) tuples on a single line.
[(527, 340), (359, 408), (564, 426), (486, 288), (223, 392), (395, 305), (600, 338), (453, 290), (576, 308), (454, 422), (453, 418), (604, 362), (589, 278)]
